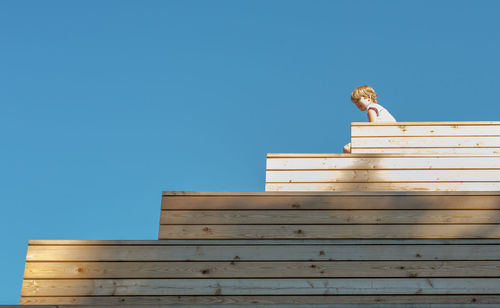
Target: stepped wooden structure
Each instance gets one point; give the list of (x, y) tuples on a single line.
[(415, 228)]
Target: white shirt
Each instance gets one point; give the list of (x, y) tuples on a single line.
[(382, 115)]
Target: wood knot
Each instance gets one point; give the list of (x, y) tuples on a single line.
[(296, 206), (313, 266), (418, 255), (321, 253), (236, 257), (205, 271), (207, 229)]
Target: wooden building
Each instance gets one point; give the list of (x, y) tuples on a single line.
[(410, 219)]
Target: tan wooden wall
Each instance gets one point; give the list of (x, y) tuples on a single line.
[(426, 137), (249, 248), (277, 216), (382, 172), (261, 272)]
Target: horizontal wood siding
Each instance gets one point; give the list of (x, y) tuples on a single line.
[(328, 231), (331, 216), (261, 269), (382, 162), (427, 142), (262, 250), (383, 172), (298, 301), (250, 286), (412, 129), (290, 217), (140, 272), (426, 137), (391, 186), (267, 248), (429, 151), (462, 200)]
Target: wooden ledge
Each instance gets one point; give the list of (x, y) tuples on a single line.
[(188, 242), (330, 193), (425, 123), (371, 155)]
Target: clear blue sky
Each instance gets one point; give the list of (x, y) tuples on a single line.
[(104, 104)]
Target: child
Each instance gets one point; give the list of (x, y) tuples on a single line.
[(365, 98)]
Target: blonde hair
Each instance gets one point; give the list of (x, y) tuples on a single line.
[(363, 91)]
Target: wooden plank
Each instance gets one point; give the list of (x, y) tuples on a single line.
[(428, 130), (418, 186), (436, 123), (428, 151), (274, 269), (98, 299), (218, 300), (288, 286), (426, 142), (94, 299), (372, 155), (342, 200), (381, 163), (375, 176), (245, 194), (327, 231), (259, 242), (330, 217), (378, 251)]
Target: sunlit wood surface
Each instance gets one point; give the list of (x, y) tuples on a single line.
[(242, 272), (426, 137), (310, 249), (382, 172)]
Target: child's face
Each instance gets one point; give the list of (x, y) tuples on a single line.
[(363, 103)]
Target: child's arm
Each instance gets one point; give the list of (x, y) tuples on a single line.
[(372, 115), (372, 112)]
